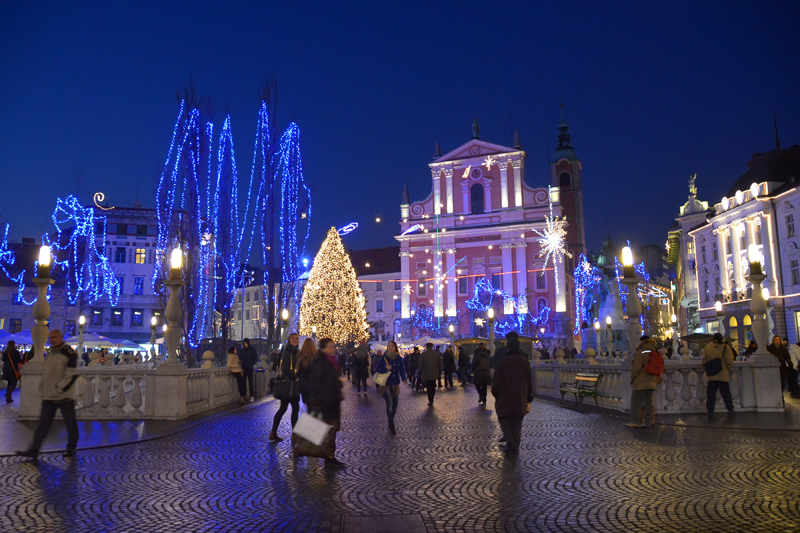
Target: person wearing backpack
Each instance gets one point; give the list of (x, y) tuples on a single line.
[(718, 360), (645, 376)]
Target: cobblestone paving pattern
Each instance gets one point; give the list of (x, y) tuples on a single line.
[(575, 472)]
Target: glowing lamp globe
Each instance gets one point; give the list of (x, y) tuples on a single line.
[(608, 321), (44, 262), (596, 324), (718, 307), (176, 259), (82, 320), (674, 318), (452, 329), (285, 314), (153, 321), (490, 313), (765, 292), (755, 258)]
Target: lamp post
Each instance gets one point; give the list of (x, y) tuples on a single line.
[(452, 336), (81, 330), (720, 319), (284, 322), (609, 337), (758, 306), (173, 313), (596, 336), (490, 316), (633, 308), (676, 335), (153, 322), (41, 309)]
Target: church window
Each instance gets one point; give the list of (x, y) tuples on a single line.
[(795, 266), (476, 197), (541, 281), (564, 180), (422, 289)]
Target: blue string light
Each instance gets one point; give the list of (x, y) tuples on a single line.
[(350, 228), (484, 297)]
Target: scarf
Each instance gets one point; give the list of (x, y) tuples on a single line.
[(332, 360)]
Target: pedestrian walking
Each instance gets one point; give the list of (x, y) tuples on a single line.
[(718, 359), (413, 365), (393, 363), (512, 388), (375, 357), (791, 372), (643, 385), (463, 366), (249, 358), (325, 391), (304, 357), (481, 371), (57, 391), (449, 361), (12, 361), (341, 358), (503, 350), (439, 377), (362, 367), (430, 365), (235, 365), (288, 368)]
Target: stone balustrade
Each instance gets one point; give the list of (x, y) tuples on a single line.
[(139, 392), (754, 384)]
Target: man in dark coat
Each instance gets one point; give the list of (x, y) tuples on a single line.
[(430, 365), (11, 363), (512, 388), (481, 372), (249, 357), (413, 365), (449, 362), (325, 391), (463, 365)]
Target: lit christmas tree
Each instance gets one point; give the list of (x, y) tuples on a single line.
[(332, 300)]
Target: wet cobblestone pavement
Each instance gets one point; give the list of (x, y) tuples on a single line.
[(443, 471)]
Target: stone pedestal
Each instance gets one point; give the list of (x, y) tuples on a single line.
[(30, 403), (208, 359), (166, 391)]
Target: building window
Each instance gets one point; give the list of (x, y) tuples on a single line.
[(497, 260), (463, 285), (247, 314), (706, 291), (138, 286), (703, 253), (397, 305), (121, 281), (15, 325), (743, 241), (795, 266), (476, 199), (728, 247), (116, 317), (16, 298), (137, 317), (541, 281), (397, 286), (69, 328), (477, 260), (141, 230), (422, 289), (790, 226), (564, 180), (238, 315), (119, 255), (758, 234), (97, 317), (158, 315), (255, 296), (496, 281), (247, 297), (140, 256), (379, 287), (690, 248), (379, 306), (714, 256), (122, 229), (254, 313)]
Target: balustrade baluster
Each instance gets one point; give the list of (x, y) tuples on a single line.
[(87, 398), (104, 394), (686, 389), (136, 396), (700, 388), (669, 388)]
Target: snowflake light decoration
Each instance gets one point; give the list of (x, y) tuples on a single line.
[(479, 322), (553, 240), (488, 162), (407, 288)]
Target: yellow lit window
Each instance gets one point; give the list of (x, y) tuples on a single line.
[(140, 256)]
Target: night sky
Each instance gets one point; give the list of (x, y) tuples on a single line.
[(653, 92)]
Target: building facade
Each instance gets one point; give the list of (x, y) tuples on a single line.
[(473, 240), (760, 210)]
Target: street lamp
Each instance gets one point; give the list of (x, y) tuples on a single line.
[(41, 309), (452, 336), (284, 322), (596, 335), (634, 307), (173, 312), (677, 333), (609, 336), (153, 322), (81, 329), (720, 319), (490, 316), (758, 305)]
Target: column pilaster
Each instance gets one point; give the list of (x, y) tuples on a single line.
[(503, 165), (517, 164)]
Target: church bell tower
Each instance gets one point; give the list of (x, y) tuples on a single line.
[(565, 173)]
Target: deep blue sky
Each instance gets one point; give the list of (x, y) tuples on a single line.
[(653, 92)]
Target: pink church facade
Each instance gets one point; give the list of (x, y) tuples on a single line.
[(478, 223)]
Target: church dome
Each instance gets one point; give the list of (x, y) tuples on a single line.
[(781, 166)]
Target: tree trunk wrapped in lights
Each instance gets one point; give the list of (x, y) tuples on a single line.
[(332, 299)]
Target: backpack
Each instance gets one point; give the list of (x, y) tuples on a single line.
[(655, 363)]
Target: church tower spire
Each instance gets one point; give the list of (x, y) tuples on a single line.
[(565, 173)]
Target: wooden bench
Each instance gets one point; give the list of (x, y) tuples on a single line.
[(584, 385)]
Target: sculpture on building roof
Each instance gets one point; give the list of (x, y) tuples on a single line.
[(692, 186), (476, 129)]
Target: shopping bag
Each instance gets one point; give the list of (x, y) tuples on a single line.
[(311, 429), (381, 379)]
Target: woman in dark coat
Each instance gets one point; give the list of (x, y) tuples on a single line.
[(482, 375), (779, 350), (325, 390), (11, 363), (289, 369), (512, 388)]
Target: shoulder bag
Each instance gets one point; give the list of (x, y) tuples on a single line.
[(284, 387), (381, 379), (714, 366)]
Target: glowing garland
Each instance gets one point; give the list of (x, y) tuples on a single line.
[(350, 228), (590, 292), (483, 298)]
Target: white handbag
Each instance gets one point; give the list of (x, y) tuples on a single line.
[(381, 379), (312, 429)]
